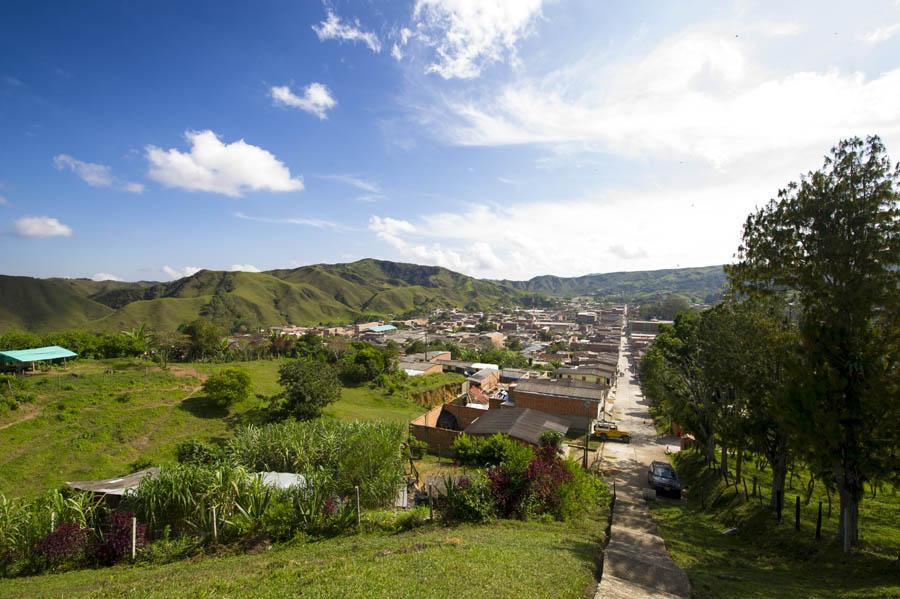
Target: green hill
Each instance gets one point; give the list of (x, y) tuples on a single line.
[(700, 284), (322, 293)]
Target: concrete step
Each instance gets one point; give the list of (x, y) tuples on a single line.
[(647, 572), (612, 587)]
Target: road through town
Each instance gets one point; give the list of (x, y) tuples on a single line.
[(636, 563)]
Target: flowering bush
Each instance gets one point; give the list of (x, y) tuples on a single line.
[(116, 545), (68, 543)]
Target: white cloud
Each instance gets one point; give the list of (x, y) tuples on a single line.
[(180, 273), (696, 94), (881, 34), (333, 28), (317, 223), (689, 224), (316, 99), (4, 201), (40, 227), (402, 39), (95, 175), (468, 35), (105, 276), (627, 252), (244, 268), (354, 181), (227, 168)]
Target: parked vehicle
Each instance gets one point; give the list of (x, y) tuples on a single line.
[(610, 431), (662, 478)]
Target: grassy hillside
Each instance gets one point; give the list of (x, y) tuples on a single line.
[(45, 304), (324, 293), (699, 284), (508, 558), (86, 422)]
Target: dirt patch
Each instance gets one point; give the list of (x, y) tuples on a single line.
[(23, 414), (185, 371)]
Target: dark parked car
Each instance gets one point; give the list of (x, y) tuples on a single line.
[(662, 479)]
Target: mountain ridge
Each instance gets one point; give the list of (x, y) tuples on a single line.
[(307, 295)]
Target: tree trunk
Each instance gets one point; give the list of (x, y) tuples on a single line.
[(737, 465), (710, 450), (724, 464), (848, 523), (779, 473)]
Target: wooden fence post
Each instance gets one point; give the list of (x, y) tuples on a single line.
[(357, 505), (133, 537), (430, 503), (215, 527), (797, 514)]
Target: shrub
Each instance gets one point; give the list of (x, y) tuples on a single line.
[(227, 387), (467, 500), (67, 544), (115, 545), (193, 451), (488, 451)]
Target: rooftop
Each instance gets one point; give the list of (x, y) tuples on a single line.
[(38, 354), (519, 423)]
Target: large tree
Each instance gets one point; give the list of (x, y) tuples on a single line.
[(834, 238), (309, 386)]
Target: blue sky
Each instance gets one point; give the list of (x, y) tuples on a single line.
[(506, 139)]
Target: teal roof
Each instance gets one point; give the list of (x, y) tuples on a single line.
[(52, 352), (383, 328)]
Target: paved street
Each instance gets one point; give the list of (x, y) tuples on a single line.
[(636, 563)]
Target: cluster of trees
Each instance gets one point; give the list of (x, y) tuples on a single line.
[(505, 357), (89, 345), (664, 308), (803, 363)]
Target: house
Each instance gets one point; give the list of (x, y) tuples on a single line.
[(600, 374), (521, 424), (494, 338), (419, 368), (646, 326), (578, 402)]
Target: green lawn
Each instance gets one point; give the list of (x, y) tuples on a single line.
[(505, 559), (767, 559), (97, 417)]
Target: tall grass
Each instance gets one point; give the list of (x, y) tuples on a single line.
[(363, 454)]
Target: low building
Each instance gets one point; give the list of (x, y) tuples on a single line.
[(521, 424), (418, 368), (599, 374), (578, 402), (19, 359)]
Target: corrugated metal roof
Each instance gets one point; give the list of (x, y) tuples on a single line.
[(566, 389), (52, 352), (521, 423)]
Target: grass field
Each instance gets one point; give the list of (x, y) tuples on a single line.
[(97, 417), (505, 559), (767, 559)]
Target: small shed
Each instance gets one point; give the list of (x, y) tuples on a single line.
[(18, 359), (114, 487)]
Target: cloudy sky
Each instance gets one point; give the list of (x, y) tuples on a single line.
[(497, 138)]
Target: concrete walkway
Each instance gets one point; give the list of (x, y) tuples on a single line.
[(636, 563)]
